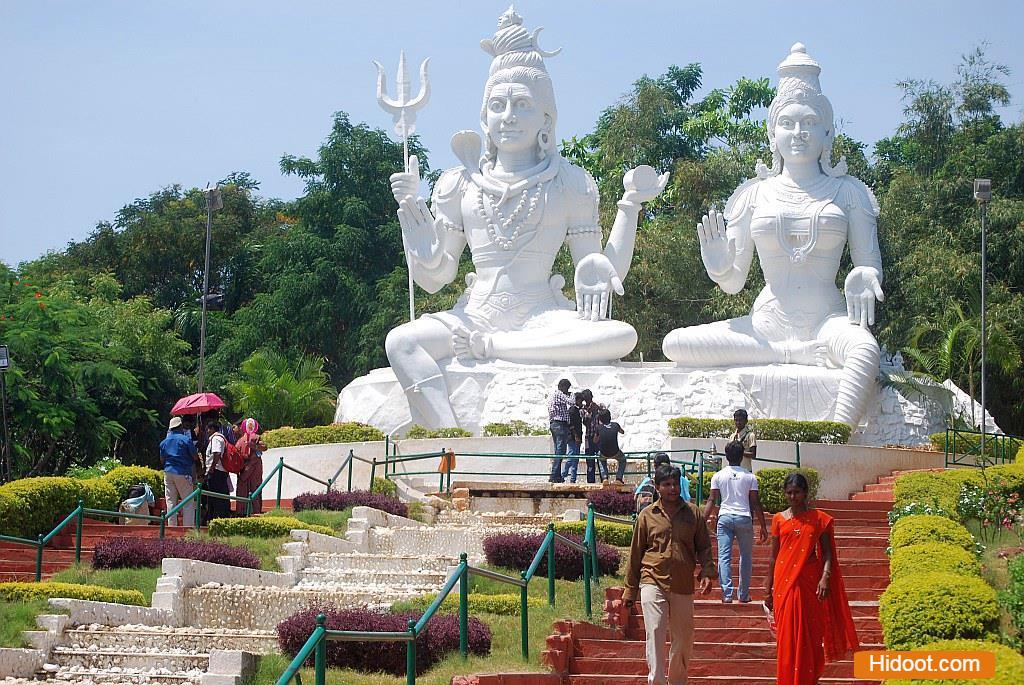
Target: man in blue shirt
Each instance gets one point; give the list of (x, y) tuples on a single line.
[(177, 457)]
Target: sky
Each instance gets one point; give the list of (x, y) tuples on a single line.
[(105, 101)]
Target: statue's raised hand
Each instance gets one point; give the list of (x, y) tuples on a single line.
[(863, 286), (643, 184), (717, 249), (407, 183), (413, 215), (595, 280)]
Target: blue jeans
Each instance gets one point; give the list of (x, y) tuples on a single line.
[(740, 528), (601, 464), (569, 469), (560, 436)]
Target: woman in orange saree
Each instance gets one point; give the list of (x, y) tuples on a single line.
[(805, 590)]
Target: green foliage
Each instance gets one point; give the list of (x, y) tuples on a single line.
[(263, 527), (970, 443), (100, 468), (384, 486), (31, 506), (515, 427), (22, 592), (919, 529), (500, 604), (141, 580), (928, 557), (608, 532), (322, 435), (16, 617), (1012, 598), (770, 487), (936, 489), (283, 392), (417, 432), (1009, 663), (925, 607), (827, 432), (124, 477)]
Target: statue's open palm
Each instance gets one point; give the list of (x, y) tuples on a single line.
[(595, 279), (413, 215), (717, 249), (862, 288)]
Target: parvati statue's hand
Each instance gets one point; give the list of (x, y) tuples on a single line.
[(595, 280), (717, 250), (862, 288), (643, 184)]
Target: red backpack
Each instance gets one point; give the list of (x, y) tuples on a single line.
[(231, 460)]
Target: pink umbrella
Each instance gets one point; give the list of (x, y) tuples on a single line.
[(197, 404)]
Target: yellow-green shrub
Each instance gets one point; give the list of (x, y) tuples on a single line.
[(124, 477), (919, 609), (770, 490), (828, 432), (479, 603), (922, 528), (926, 487), (515, 427), (968, 444), (1009, 664), (23, 592), (263, 526), (616, 534), (417, 432), (322, 435), (97, 493), (929, 557), (31, 506)]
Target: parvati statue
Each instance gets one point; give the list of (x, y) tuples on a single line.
[(515, 206), (799, 214)]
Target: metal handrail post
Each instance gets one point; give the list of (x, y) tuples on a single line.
[(595, 568), (551, 564), (351, 460), (464, 608), (410, 655), (524, 618), (78, 532), (39, 558), (280, 478), (320, 660), (798, 455), (946, 446), (373, 472), (199, 506), (586, 583), (700, 478)]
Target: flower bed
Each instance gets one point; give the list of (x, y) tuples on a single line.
[(336, 500), (517, 550), (612, 502), (439, 638), (122, 552)]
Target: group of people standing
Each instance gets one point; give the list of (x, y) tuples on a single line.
[(804, 592), (577, 423), (206, 450)]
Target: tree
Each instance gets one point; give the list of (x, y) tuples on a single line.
[(280, 392)]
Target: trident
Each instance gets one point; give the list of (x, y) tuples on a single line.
[(403, 110)]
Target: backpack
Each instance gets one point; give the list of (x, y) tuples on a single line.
[(231, 460), (645, 495)]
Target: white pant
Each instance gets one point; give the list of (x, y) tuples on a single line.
[(177, 488), (667, 611)]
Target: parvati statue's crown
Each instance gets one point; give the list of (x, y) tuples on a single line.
[(512, 45), (798, 75)]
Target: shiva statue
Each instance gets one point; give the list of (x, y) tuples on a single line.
[(514, 204), (798, 214)]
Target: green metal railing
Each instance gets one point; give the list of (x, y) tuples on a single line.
[(316, 644), (965, 448), (81, 511)]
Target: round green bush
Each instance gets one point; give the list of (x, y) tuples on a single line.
[(771, 492), (925, 607), (263, 527), (124, 477), (384, 486), (922, 528), (926, 487), (929, 557), (31, 506), (98, 493), (1009, 664)]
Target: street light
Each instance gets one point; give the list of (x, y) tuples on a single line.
[(213, 202), (5, 455), (982, 195)]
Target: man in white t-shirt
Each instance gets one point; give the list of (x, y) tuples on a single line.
[(738, 489)]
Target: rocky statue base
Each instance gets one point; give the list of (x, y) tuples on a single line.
[(642, 397)]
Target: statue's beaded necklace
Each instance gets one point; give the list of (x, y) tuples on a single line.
[(528, 200)]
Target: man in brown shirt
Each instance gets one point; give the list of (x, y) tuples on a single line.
[(669, 539)]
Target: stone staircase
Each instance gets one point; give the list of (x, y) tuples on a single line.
[(882, 489), (732, 641)]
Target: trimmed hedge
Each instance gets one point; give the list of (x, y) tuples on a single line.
[(969, 443), (937, 489), (263, 527), (922, 608), (417, 432), (124, 477), (321, 435), (928, 557), (479, 603), (615, 534), (827, 432), (336, 500), (612, 502), (122, 552), (1009, 664), (515, 427), (439, 638), (516, 551), (922, 528), (769, 487), (24, 592)]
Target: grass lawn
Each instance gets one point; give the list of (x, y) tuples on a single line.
[(267, 549), (18, 616), (506, 655), (995, 569), (335, 520), (141, 579)]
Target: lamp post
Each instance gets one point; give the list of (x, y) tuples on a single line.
[(982, 195), (5, 454), (213, 202)]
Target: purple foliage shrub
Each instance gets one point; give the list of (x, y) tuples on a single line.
[(440, 637), (516, 550), (612, 502), (336, 501), (123, 552)]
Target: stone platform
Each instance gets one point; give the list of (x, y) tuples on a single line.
[(642, 397)]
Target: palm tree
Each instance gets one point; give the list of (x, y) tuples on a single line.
[(279, 393)]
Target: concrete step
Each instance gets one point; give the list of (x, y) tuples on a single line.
[(160, 639), (362, 576), (885, 497), (878, 487), (715, 607), (174, 660), (379, 562), (77, 675)]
